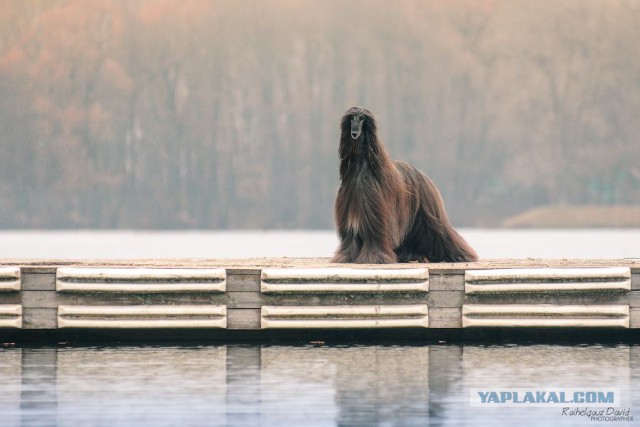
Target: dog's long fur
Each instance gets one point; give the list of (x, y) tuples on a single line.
[(388, 211)]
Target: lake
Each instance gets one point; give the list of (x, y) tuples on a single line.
[(601, 243), (309, 383), (303, 385)]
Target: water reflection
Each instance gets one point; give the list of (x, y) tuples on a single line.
[(297, 385), (38, 391), (10, 389), (243, 385)]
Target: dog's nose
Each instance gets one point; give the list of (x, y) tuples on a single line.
[(354, 135)]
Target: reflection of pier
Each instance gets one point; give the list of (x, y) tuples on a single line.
[(39, 394), (292, 385), (279, 294)]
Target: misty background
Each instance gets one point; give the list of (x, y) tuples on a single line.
[(224, 114)]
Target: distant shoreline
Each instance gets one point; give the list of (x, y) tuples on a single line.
[(579, 216)]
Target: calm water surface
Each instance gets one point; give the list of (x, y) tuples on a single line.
[(300, 385), (303, 385), (601, 243)]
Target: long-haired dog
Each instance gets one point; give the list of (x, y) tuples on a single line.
[(388, 211)]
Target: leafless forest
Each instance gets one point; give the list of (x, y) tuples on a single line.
[(224, 114)]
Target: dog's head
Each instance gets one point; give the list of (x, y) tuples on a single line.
[(355, 121)]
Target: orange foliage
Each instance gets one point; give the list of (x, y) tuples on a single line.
[(160, 12), (115, 73), (238, 100)]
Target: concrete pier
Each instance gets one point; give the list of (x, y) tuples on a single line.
[(280, 294)]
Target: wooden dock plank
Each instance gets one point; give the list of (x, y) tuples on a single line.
[(248, 265), (447, 318), (38, 281), (39, 318), (634, 317), (243, 318), (446, 282), (243, 282)]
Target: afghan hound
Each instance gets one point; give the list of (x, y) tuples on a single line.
[(387, 211)]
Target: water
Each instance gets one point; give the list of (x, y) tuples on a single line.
[(601, 243), (308, 384), (304, 385)]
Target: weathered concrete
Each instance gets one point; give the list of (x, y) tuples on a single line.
[(257, 294)]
